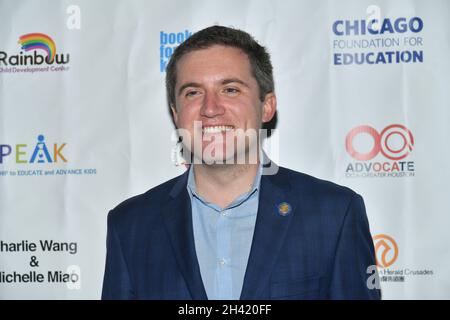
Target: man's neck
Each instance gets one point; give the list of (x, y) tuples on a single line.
[(221, 184)]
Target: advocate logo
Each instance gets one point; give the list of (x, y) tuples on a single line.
[(38, 54), (391, 147)]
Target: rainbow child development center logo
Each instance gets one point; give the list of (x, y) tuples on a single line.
[(30, 59), (33, 41)]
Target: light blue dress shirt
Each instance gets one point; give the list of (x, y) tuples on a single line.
[(223, 238)]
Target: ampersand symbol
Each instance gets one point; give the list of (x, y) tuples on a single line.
[(34, 262)]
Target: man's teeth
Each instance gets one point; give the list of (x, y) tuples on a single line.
[(217, 129)]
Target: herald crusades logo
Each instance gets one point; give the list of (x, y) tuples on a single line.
[(387, 256), (31, 59), (386, 250)]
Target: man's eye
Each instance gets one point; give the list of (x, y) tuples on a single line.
[(191, 93), (231, 90)]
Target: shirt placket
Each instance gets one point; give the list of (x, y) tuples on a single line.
[(223, 271)]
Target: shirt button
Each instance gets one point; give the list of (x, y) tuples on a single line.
[(222, 262), (223, 213)]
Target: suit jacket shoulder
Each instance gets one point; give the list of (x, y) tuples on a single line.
[(146, 205)]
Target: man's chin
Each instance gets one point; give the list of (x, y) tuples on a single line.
[(216, 160)]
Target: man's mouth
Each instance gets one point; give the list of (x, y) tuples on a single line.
[(217, 129)]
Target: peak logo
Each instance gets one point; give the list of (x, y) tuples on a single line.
[(41, 153), (38, 159), (31, 58), (386, 250), (395, 142)]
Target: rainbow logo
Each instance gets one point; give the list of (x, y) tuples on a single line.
[(33, 41)]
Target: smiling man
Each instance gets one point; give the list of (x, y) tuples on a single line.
[(229, 228)]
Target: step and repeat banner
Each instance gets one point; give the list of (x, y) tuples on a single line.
[(363, 100)]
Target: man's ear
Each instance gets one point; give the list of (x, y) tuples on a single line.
[(269, 107), (174, 114)]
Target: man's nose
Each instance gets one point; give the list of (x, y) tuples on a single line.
[(212, 106)]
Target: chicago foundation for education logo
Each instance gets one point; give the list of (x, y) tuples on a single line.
[(391, 146), (386, 250), (373, 41)]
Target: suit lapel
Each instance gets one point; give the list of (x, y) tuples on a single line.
[(178, 220), (270, 231)]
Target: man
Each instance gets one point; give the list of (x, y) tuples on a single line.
[(225, 229)]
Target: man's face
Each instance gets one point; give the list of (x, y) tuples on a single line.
[(216, 86)]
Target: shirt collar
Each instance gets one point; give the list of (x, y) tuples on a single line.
[(191, 186)]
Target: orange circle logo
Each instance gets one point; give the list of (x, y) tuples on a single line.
[(386, 250)]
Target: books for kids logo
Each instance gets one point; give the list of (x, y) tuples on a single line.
[(168, 41)]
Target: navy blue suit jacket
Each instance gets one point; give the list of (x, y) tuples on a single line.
[(320, 250)]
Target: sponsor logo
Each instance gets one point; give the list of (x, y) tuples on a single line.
[(386, 250), (41, 153), (376, 41), (393, 145), (168, 41), (38, 54), (387, 253), (39, 159)]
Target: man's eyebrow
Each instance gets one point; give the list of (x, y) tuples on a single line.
[(187, 85), (224, 82), (231, 80)]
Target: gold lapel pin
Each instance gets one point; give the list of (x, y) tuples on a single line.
[(284, 209)]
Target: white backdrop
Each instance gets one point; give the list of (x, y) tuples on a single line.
[(103, 120)]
